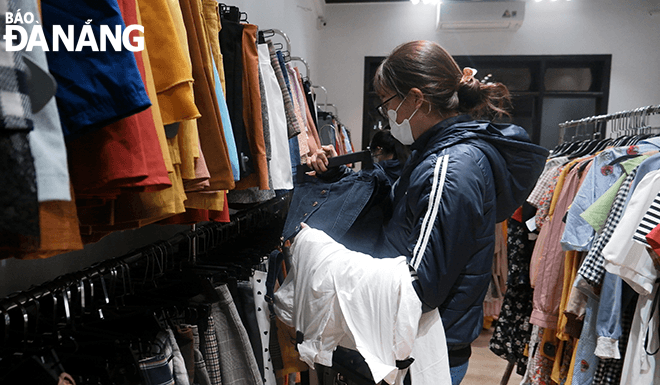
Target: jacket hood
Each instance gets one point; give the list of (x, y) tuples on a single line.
[(516, 162)]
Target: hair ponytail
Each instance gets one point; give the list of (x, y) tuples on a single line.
[(430, 68), (483, 100)]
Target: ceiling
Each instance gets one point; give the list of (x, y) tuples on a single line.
[(362, 1), (385, 1)]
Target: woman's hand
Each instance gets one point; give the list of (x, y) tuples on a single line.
[(319, 160)]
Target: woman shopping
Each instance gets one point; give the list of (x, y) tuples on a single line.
[(463, 176)]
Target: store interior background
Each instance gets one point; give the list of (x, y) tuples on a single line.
[(335, 54)]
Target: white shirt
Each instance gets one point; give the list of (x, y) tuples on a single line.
[(639, 368), (630, 260), (335, 296), (280, 161), (623, 256)]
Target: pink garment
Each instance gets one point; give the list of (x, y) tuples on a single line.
[(202, 175), (307, 144), (550, 269), (308, 114)]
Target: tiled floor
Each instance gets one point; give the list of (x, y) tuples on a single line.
[(485, 367)]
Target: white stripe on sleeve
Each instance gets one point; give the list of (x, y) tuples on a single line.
[(432, 211)]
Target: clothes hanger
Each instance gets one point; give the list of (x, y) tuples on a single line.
[(24, 319), (6, 323)]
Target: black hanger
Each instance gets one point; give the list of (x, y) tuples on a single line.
[(231, 13), (569, 149), (586, 149), (361, 156), (559, 149), (604, 143)]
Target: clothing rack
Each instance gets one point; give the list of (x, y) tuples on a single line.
[(624, 122), (325, 105), (154, 260), (272, 32), (307, 71), (334, 108)]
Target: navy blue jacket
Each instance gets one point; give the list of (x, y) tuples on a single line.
[(350, 207), (392, 169), (463, 177)]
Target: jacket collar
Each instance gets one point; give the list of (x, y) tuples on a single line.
[(436, 130)]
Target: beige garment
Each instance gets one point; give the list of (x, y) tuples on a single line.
[(213, 200), (303, 141)]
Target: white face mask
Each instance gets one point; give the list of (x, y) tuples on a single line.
[(401, 132)]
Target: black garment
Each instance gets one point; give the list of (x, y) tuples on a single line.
[(231, 45), (307, 86), (512, 330), (19, 207)]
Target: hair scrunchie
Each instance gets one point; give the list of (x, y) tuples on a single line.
[(468, 74)]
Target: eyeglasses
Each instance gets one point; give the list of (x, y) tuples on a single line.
[(381, 107)]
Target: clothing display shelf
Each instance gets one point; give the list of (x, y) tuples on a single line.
[(630, 122), (33, 318)]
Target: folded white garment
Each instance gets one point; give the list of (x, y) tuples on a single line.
[(335, 296)]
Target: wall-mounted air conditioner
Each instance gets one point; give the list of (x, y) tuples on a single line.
[(460, 16)]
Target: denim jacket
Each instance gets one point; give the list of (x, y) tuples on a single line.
[(615, 296), (341, 201)]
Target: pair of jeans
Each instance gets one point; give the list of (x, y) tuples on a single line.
[(458, 373)]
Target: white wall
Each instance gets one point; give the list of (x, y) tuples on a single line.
[(296, 18), (621, 28)]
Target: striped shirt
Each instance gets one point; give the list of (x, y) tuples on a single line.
[(650, 220)]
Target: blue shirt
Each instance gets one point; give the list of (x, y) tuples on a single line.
[(226, 125), (579, 234), (94, 89)]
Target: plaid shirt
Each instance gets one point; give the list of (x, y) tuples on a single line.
[(15, 105), (212, 353), (545, 180), (592, 268), (544, 203)]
